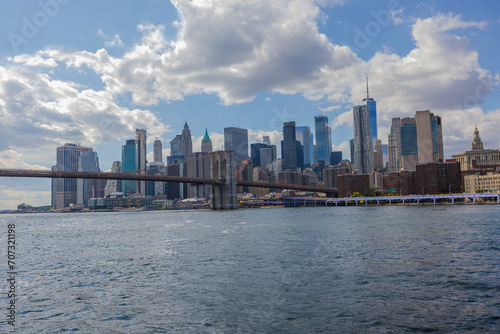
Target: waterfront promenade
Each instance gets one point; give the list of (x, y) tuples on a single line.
[(395, 200)]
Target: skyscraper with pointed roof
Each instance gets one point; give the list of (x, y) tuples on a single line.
[(186, 147), (372, 105), (206, 143)]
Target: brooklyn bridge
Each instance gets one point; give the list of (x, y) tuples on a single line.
[(223, 181)]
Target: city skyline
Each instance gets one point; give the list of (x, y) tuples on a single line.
[(76, 91)]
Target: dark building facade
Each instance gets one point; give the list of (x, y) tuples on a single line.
[(351, 183)]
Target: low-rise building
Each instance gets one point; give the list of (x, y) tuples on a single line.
[(489, 183)]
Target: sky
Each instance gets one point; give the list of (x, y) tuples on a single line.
[(91, 72)]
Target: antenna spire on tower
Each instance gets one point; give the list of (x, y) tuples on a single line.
[(367, 91)]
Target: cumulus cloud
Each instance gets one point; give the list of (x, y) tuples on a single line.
[(39, 111), (236, 49)]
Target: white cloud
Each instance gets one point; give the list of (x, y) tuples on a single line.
[(330, 108)]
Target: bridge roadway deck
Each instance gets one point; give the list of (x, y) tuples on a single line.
[(159, 178)]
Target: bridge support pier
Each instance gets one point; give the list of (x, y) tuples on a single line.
[(223, 166)]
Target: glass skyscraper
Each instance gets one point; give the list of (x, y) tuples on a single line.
[(128, 166), (323, 139), (68, 157), (304, 135), (289, 146), (372, 105), (363, 146), (236, 139)]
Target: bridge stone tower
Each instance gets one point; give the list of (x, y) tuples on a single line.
[(223, 166)]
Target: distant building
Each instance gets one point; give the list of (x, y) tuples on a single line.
[(198, 166), (420, 139), (372, 106), (438, 177), (335, 158), (478, 154), (88, 188), (186, 145), (175, 146), (304, 135), (155, 188), (331, 174), (266, 140), (378, 156), (140, 159), (351, 183), (129, 187), (323, 139), (236, 139), (489, 183), (289, 146), (68, 157), (363, 147), (157, 150), (255, 154), (206, 143), (114, 186), (394, 146), (176, 167)]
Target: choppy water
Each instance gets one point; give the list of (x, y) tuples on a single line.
[(303, 270)]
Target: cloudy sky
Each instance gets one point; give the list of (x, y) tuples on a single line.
[(91, 72)]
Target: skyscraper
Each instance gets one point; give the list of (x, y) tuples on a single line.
[(236, 139), (266, 140), (157, 149), (335, 158), (206, 143), (289, 146), (304, 135), (394, 147), (68, 157), (175, 146), (372, 105), (363, 147), (87, 162), (140, 159), (186, 146), (378, 156), (323, 139), (420, 140), (114, 186), (129, 187)]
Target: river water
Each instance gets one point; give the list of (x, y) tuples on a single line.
[(297, 270)]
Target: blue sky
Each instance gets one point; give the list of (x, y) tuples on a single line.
[(91, 72)]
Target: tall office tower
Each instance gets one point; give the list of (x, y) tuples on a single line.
[(409, 143), (67, 161), (140, 159), (421, 140), (372, 104), (114, 186), (267, 140), (129, 187), (335, 158), (289, 146), (53, 184), (323, 139), (175, 146), (155, 188), (394, 147), (378, 156), (157, 149), (304, 135), (85, 189), (363, 147), (236, 139), (206, 143), (266, 156), (186, 147), (351, 144), (429, 137), (176, 167)]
